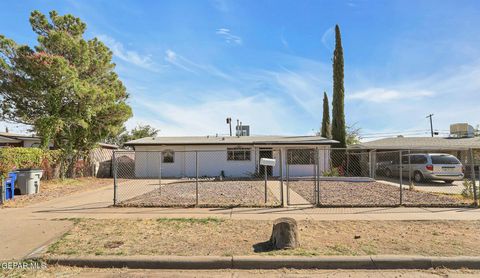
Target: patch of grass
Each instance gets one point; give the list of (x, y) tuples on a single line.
[(75, 220), (207, 220), (369, 249), (53, 248), (340, 249), (293, 252)]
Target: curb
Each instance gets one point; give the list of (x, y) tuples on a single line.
[(263, 262)]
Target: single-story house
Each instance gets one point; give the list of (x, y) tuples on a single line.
[(8, 139), (229, 156)]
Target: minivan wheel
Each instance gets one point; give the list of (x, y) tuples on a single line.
[(449, 182), (388, 173), (417, 177)]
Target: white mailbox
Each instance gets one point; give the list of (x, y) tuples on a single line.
[(267, 162)]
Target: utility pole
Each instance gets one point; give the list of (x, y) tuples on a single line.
[(431, 124), (229, 122)]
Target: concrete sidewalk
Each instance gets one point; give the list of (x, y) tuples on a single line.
[(28, 228)]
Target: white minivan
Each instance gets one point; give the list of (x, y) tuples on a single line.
[(428, 166)]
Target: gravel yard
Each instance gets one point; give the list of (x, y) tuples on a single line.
[(210, 194), (335, 193), (186, 237)]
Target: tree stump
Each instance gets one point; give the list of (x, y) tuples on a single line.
[(284, 234)]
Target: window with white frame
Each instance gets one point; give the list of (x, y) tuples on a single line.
[(238, 154), (168, 156), (301, 157)]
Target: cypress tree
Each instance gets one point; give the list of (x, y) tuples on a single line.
[(338, 114), (326, 129)]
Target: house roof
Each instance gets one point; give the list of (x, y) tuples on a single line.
[(232, 140), (7, 137), (421, 143), (107, 146)]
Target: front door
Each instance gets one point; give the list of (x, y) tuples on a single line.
[(265, 153)]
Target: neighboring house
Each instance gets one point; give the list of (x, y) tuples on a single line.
[(230, 156), (459, 147), (8, 139), (100, 157), (461, 140), (455, 146)]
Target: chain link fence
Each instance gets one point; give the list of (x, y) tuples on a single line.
[(301, 176), (197, 178)]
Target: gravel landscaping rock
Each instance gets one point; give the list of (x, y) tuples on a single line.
[(335, 193), (210, 193)]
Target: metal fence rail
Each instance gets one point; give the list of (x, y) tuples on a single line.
[(301, 176)]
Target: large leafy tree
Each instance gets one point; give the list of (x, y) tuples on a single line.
[(65, 87), (140, 131), (338, 113), (326, 129)]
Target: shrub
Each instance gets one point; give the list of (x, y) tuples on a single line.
[(18, 158), (334, 172), (467, 191)]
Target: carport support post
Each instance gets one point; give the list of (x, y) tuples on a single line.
[(265, 170), (472, 171), (400, 170), (114, 161), (196, 178)]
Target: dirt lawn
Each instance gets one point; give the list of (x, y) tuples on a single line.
[(51, 189), (210, 194), (186, 237), (337, 193)]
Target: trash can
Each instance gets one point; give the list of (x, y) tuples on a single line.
[(10, 185), (28, 180)]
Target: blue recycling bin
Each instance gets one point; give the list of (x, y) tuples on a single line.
[(10, 185)]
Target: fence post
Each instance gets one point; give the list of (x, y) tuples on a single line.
[(114, 161), (196, 178), (265, 170), (281, 178), (317, 160), (160, 174), (347, 172), (2, 191), (315, 187), (472, 173), (409, 169), (400, 170), (288, 179)]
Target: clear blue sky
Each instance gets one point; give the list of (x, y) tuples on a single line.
[(189, 64)]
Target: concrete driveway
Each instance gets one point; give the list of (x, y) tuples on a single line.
[(431, 186)]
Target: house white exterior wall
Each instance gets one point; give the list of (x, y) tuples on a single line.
[(212, 161)]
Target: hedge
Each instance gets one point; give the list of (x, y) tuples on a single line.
[(18, 158)]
